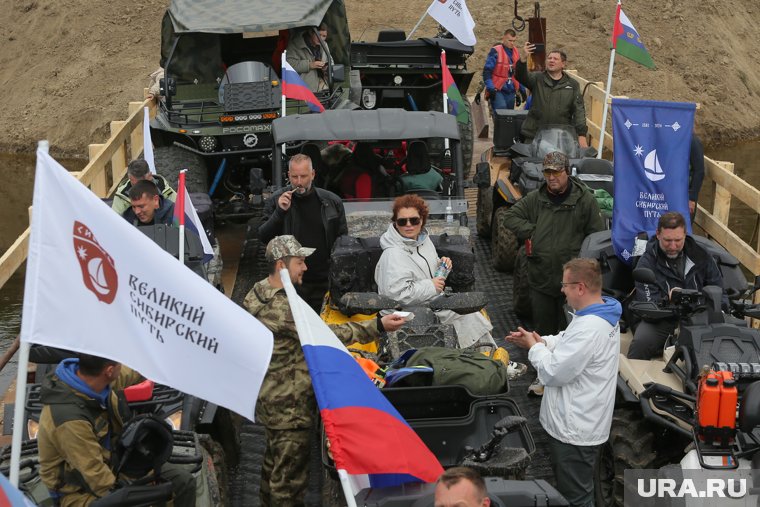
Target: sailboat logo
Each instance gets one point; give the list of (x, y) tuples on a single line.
[(652, 167)]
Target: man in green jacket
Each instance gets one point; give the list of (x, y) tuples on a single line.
[(138, 170), (556, 218), (557, 98), (286, 405)]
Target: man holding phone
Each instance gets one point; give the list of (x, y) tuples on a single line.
[(316, 218), (557, 98)]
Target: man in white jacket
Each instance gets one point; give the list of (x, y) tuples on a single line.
[(579, 368)]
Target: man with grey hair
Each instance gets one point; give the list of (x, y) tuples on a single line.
[(316, 218), (138, 170)]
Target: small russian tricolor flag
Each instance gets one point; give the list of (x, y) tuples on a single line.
[(293, 87)]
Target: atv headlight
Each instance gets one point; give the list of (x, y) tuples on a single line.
[(175, 419), (207, 143), (32, 428), (369, 99)]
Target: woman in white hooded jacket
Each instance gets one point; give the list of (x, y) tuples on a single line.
[(409, 261)]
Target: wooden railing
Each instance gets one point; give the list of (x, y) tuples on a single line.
[(727, 185), (107, 166)]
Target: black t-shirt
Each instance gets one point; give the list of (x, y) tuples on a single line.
[(311, 233)]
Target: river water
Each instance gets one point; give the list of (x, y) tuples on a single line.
[(16, 197)]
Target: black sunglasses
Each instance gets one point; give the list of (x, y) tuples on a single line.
[(401, 222)]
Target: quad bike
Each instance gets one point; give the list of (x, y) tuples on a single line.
[(654, 422), (508, 172)]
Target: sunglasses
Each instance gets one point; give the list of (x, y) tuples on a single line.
[(552, 172), (401, 222)]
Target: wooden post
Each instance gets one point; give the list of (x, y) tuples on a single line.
[(119, 160), (99, 184), (136, 140), (595, 114), (722, 204)]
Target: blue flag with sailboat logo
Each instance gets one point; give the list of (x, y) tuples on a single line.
[(651, 146)]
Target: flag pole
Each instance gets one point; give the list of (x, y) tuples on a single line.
[(445, 96), (147, 143), (282, 71), (304, 332), (350, 500), (606, 104), (181, 203), (19, 408), (607, 93), (416, 26)]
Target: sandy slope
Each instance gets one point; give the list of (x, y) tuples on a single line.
[(70, 66)]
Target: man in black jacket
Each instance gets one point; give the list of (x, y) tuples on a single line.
[(678, 262), (316, 218), (148, 207)]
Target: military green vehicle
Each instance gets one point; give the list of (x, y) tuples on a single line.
[(395, 72), (221, 89)]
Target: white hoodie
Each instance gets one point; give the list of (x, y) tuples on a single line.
[(579, 369), (405, 273)]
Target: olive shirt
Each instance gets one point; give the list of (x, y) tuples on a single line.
[(286, 399)]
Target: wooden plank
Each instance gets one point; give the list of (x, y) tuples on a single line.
[(736, 186), (479, 118), (98, 162), (594, 91), (722, 201), (135, 139), (119, 160), (730, 241), (14, 257), (594, 130), (98, 183)]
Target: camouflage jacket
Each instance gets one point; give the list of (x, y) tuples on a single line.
[(286, 400), (76, 436)]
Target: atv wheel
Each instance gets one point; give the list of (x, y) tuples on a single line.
[(171, 159), (503, 243), (633, 444), (250, 272), (484, 212), (466, 137), (520, 286)]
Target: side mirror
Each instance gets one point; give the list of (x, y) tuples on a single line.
[(644, 275), (167, 87), (338, 73)]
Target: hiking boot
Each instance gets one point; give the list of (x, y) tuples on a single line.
[(536, 388), (515, 369)]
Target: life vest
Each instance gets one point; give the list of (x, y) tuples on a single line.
[(502, 72)]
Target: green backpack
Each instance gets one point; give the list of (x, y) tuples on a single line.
[(481, 375)]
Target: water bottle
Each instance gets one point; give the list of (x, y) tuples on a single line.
[(442, 270)]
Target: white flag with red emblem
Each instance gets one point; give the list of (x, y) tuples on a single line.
[(96, 284), (455, 17)]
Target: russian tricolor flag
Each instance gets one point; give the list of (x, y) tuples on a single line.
[(191, 220), (368, 437), (293, 87)]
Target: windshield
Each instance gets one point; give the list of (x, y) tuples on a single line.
[(555, 138)]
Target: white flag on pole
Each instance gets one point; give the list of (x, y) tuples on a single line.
[(96, 284), (456, 18), (147, 143)]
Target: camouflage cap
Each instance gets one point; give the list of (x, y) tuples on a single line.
[(286, 246), (556, 161)]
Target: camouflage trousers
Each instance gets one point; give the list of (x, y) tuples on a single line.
[(285, 472)]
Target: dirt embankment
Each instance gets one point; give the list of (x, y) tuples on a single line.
[(69, 67)]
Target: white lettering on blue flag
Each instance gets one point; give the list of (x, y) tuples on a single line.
[(651, 146)]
